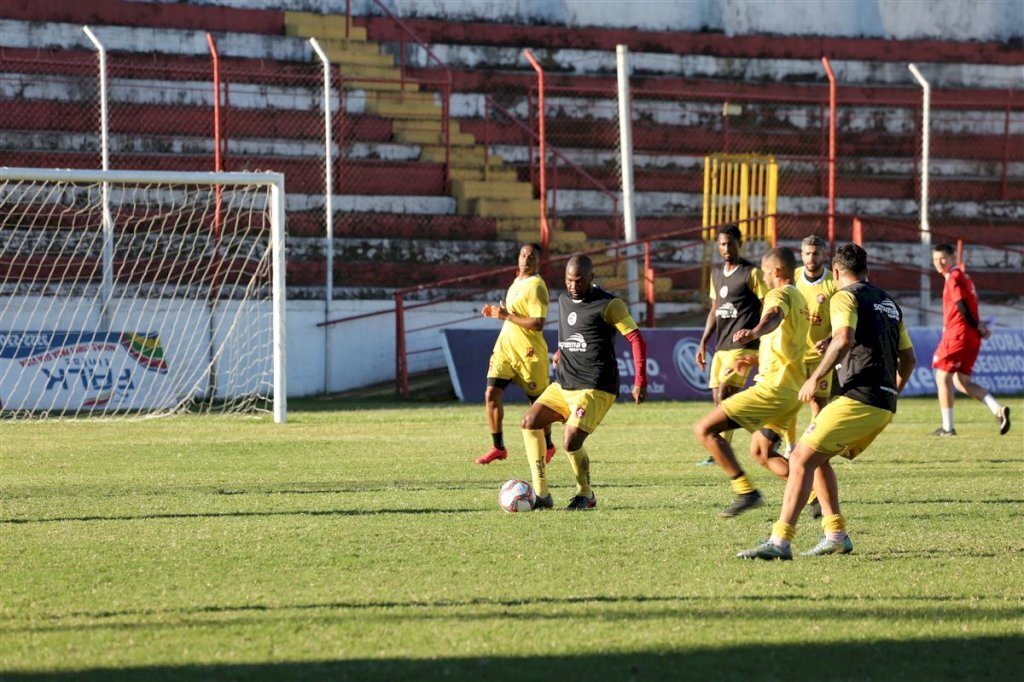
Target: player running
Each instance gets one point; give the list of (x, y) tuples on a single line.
[(736, 292), (958, 349), (520, 354), (877, 358), (588, 378), (766, 408)]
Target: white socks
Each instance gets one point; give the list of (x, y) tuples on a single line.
[(992, 404), (947, 418)]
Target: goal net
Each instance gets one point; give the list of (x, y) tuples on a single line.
[(133, 293)]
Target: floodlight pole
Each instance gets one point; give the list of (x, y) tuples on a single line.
[(107, 280), (328, 208), (926, 233), (626, 156)]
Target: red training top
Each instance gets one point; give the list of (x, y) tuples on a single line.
[(958, 287)]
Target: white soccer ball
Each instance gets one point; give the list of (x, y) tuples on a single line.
[(517, 496)]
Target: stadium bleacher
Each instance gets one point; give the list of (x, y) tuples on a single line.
[(399, 221)]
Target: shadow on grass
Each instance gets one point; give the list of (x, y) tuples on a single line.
[(230, 514), (936, 659)]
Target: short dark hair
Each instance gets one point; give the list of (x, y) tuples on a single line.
[(731, 230), (581, 263), (783, 255), (851, 258), (944, 248)]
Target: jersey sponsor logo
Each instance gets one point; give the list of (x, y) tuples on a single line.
[(532, 385), (724, 291), (685, 361), (571, 319), (574, 344), (820, 298), (727, 311), (823, 385), (581, 412), (811, 427), (888, 308)]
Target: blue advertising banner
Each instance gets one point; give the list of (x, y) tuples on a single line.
[(673, 373)]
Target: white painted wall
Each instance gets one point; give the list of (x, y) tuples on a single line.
[(959, 20)]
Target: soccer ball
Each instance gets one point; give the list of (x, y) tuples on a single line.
[(517, 496)]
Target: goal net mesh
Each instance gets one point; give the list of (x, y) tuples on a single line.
[(134, 299)]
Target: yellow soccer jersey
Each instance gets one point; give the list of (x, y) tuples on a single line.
[(527, 297), (617, 314), (781, 355), (816, 295)]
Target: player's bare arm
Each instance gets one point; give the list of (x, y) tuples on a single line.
[(709, 329), (907, 362), (770, 321), (500, 312), (842, 339)]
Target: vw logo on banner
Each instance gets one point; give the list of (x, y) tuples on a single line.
[(685, 361)]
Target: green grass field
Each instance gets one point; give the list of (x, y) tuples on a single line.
[(359, 541)]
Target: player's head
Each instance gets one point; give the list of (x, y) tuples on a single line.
[(579, 275), (942, 257), (850, 263), (729, 239), (813, 252), (777, 266), (529, 259)]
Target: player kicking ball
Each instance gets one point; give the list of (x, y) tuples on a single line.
[(771, 404), (877, 359), (589, 318)]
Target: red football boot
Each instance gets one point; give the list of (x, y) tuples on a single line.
[(548, 454), (492, 454)]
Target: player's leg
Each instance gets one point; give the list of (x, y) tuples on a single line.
[(494, 406), (708, 431), (764, 448), (587, 409), (963, 383), (548, 408), (834, 538), (533, 380), (944, 391)]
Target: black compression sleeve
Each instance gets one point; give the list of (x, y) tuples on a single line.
[(961, 305)]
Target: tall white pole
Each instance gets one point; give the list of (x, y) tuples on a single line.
[(279, 296), (107, 281), (926, 233), (328, 210), (626, 151)]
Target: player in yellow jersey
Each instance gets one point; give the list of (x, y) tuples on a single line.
[(766, 408), (520, 354), (876, 359), (736, 292), (816, 284)]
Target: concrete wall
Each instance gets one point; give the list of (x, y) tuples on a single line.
[(995, 20)]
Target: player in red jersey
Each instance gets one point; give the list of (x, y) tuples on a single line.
[(962, 333)]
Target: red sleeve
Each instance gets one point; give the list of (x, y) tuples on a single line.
[(636, 340), (958, 289)]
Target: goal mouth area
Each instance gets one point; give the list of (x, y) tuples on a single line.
[(137, 293)]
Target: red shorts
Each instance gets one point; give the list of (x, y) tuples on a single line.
[(957, 353)]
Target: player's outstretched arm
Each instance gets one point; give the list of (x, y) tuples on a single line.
[(500, 312), (709, 329), (639, 347), (770, 321)]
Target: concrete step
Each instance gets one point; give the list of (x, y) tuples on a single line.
[(423, 124), (384, 106), (387, 72), (366, 47), (472, 157), (349, 58), (464, 190), (514, 225), (500, 208), (558, 242), (406, 97), (427, 137), (661, 284), (311, 24), (373, 85), (492, 174)]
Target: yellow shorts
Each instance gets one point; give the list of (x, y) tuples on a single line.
[(583, 409), (845, 427), (529, 373), (824, 389), (723, 361), (759, 407)]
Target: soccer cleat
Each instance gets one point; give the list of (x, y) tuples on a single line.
[(1004, 420), (548, 454), (767, 550), (741, 504), (580, 503), (710, 461), (545, 502), (492, 454), (814, 509), (943, 432), (826, 546)]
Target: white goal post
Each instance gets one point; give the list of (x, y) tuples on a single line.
[(141, 293)]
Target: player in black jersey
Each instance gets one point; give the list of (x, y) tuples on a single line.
[(587, 377), (736, 291), (876, 359)]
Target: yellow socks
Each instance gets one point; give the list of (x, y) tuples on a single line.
[(783, 531), (834, 526), (535, 447), (741, 485), (580, 462)]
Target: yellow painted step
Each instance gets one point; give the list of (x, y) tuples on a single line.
[(367, 47), (558, 242), (513, 225), (661, 284), (311, 24), (478, 173), (351, 58), (405, 97), (471, 157), (431, 138), (433, 125), (514, 208), (383, 106), (371, 85), (475, 189), (389, 73)]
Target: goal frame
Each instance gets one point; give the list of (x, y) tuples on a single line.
[(273, 180)]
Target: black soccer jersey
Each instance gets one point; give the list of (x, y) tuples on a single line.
[(867, 371), (586, 343), (739, 306)]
